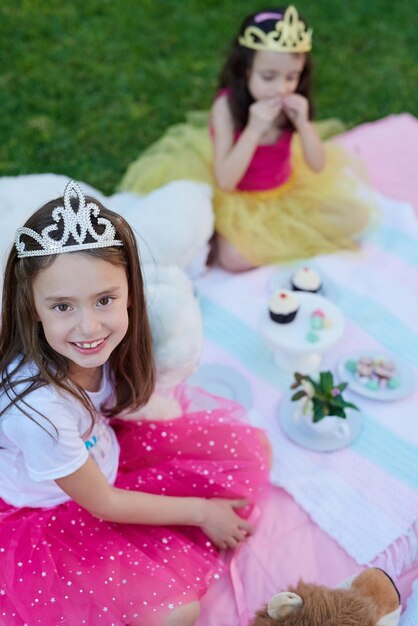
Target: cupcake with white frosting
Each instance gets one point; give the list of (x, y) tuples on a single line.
[(283, 306), (306, 279)]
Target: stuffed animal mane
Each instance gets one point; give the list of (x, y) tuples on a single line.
[(369, 601), (323, 606)]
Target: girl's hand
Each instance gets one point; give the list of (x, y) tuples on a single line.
[(263, 114), (222, 525), (296, 108)]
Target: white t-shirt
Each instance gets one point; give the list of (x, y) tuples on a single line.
[(33, 454)]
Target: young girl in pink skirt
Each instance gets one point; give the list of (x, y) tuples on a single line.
[(105, 521)]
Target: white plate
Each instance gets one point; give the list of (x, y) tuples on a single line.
[(298, 433), (281, 279), (224, 382), (405, 375)]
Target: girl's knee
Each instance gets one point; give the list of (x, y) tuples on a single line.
[(229, 258), (184, 616), (269, 452)]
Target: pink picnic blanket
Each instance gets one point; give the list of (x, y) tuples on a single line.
[(287, 545), (389, 148)]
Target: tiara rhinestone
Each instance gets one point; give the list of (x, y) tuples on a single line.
[(289, 35), (76, 224)]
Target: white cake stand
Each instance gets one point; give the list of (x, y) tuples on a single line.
[(289, 342)]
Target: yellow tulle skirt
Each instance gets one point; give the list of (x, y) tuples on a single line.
[(311, 214)]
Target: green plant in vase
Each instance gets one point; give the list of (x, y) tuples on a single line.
[(323, 397)]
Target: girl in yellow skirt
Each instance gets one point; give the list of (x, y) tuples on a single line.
[(279, 192)]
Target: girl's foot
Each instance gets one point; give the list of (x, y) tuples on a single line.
[(184, 616)]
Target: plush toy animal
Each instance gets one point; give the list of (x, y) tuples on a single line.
[(369, 599), (173, 223), (177, 333)]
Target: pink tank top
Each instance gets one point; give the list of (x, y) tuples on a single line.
[(270, 166)]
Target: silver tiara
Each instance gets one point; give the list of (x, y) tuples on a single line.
[(76, 224)]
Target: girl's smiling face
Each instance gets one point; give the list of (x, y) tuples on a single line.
[(82, 303), (274, 74)]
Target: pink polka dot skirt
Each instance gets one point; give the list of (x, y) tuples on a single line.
[(63, 566)]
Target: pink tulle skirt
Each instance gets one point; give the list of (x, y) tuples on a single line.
[(63, 566)]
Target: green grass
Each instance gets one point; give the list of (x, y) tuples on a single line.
[(87, 84)]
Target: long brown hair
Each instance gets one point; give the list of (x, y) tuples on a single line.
[(22, 340), (235, 71)]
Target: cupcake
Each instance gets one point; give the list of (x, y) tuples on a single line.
[(283, 306), (306, 279)]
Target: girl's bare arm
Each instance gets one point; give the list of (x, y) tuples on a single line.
[(312, 147), (88, 487), (296, 107), (231, 160)]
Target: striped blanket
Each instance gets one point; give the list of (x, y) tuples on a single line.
[(410, 617), (364, 496)]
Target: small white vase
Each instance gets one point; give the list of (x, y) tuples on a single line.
[(329, 426)]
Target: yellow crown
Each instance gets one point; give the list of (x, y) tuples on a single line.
[(289, 35)]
